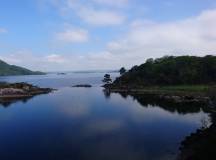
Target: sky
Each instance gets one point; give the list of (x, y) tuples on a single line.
[(69, 35)]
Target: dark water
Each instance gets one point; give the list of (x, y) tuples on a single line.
[(86, 124)]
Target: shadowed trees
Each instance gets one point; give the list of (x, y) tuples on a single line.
[(107, 79), (122, 71), (171, 70)]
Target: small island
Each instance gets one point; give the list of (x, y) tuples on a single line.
[(178, 79), (20, 90), (82, 86), (61, 73)]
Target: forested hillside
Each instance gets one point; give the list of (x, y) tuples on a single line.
[(6, 70), (171, 70)]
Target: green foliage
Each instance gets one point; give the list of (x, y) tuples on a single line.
[(122, 70), (170, 70), (7, 70), (107, 79)]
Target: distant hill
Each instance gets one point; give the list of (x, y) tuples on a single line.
[(10, 70), (171, 70)]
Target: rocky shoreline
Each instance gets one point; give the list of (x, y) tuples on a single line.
[(20, 90), (174, 96)]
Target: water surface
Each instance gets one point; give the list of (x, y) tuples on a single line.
[(85, 123)]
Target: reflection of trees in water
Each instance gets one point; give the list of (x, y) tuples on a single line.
[(107, 93), (6, 102), (197, 146), (150, 99), (182, 108)]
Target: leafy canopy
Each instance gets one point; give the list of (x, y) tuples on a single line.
[(171, 70)]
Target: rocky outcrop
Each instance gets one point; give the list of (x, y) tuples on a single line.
[(186, 98), (18, 90), (172, 97)]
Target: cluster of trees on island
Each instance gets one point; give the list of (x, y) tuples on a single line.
[(107, 78), (171, 70)]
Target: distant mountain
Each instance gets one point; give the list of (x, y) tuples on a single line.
[(10, 70)]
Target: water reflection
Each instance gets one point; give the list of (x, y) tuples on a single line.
[(107, 93), (82, 124), (198, 144), (7, 102), (147, 100)]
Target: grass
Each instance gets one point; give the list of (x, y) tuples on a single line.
[(201, 88)]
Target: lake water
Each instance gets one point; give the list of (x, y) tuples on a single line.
[(87, 124)]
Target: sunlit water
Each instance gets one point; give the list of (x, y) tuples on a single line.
[(84, 124)]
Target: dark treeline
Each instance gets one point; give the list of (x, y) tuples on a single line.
[(170, 70)]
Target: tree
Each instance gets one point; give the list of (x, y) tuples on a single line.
[(122, 70), (171, 70), (107, 79)]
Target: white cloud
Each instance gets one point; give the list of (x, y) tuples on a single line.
[(145, 39), (54, 58), (196, 35), (73, 35), (11, 59), (101, 17), (114, 3), (97, 16), (52, 62), (60, 62), (93, 12)]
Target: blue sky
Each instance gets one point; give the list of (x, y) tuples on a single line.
[(51, 35)]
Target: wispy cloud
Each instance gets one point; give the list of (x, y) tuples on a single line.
[(73, 35), (12, 59), (113, 3), (140, 39), (101, 17), (54, 58), (3, 30), (29, 60), (91, 14), (147, 39)]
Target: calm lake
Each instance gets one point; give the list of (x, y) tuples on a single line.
[(87, 124)]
